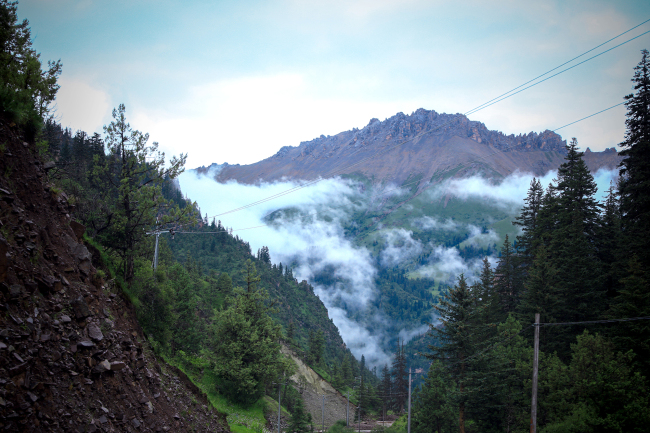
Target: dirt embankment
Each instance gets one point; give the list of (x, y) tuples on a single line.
[(72, 355)]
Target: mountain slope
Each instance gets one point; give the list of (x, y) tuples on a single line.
[(297, 305), (376, 153), (72, 355)]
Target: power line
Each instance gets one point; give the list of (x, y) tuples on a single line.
[(588, 322), (472, 111), (558, 73), (488, 155), (418, 180), (559, 66), (591, 115)]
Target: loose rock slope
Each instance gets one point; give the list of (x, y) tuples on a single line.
[(72, 355)]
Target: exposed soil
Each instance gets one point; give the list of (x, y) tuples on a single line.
[(72, 355)]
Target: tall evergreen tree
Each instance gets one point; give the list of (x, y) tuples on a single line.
[(400, 378), (455, 338), (633, 300), (573, 244), (634, 184), (247, 349), (610, 244), (433, 411), (508, 280), (386, 388), (527, 220), (26, 90), (489, 306), (567, 226), (130, 184)]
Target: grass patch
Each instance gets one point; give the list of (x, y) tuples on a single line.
[(241, 419), (236, 428), (399, 426), (505, 227)]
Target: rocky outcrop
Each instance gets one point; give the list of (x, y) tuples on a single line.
[(425, 142), (312, 388), (72, 355)]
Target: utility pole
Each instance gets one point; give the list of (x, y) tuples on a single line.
[(347, 411), (533, 409), (280, 399), (359, 407), (409, 417), (155, 256), (323, 414), (157, 233), (279, 405)]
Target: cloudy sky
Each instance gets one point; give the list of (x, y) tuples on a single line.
[(234, 81)]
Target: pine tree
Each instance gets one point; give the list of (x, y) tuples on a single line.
[(400, 378), (26, 90), (130, 187), (346, 370), (386, 388), (508, 280), (300, 422), (568, 228), (487, 299), (247, 349), (527, 220), (634, 181), (610, 245), (316, 346), (573, 244), (433, 410), (455, 338), (633, 301)]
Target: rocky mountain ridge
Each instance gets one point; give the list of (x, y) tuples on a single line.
[(72, 355), (425, 143)]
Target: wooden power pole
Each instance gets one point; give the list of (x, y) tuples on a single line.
[(533, 409)]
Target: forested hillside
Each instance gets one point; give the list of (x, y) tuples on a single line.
[(72, 354), (580, 264)]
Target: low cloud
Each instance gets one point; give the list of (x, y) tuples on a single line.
[(399, 247), (445, 263), (305, 229), (428, 223), (508, 194), (480, 239)]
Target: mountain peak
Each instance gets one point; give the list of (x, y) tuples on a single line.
[(423, 142)]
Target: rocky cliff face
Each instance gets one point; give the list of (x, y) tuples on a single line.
[(449, 141), (72, 355)]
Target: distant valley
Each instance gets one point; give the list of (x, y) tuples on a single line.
[(402, 207)]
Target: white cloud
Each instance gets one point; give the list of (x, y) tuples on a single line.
[(400, 247), (247, 119), (429, 223), (445, 264), (82, 106), (509, 193), (480, 239), (307, 233)]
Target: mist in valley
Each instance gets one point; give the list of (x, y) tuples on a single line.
[(310, 230)]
